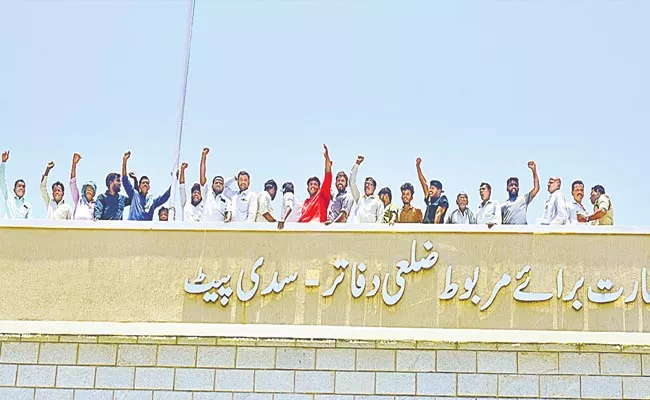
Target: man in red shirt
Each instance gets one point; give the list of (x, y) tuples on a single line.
[(315, 207)]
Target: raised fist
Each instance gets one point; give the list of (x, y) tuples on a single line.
[(532, 165), (50, 165), (184, 166), (5, 156), (360, 159), (76, 157), (205, 151), (418, 161), (127, 155)]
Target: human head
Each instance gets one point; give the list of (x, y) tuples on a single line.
[(407, 193), (196, 194), (596, 191), (313, 186), (243, 180), (57, 191), (341, 181), (271, 187), (88, 190), (462, 200), (485, 191), (217, 184), (512, 186), (435, 189), (578, 191), (369, 186), (113, 182), (386, 196), (554, 183), (144, 185), (163, 214), (287, 187), (19, 188)]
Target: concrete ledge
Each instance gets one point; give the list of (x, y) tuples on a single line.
[(406, 335)]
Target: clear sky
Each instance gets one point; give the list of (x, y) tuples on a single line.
[(476, 88)]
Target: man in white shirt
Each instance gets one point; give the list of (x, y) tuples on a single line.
[(244, 201), (575, 207), (14, 205), (192, 211), (265, 202), (556, 211), (461, 215), (57, 208), (291, 207), (216, 206), (369, 208), (489, 211)]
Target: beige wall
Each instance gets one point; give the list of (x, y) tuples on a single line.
[(134, 275)]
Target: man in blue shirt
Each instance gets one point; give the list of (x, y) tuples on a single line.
[(143, 204), (436, 202), (110, 205)]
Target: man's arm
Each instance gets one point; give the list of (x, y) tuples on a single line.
[(326, 188), (98, 212), (162, 199), (353, 178), (4, 193), (181, 185), (252, 208), (442, 208), (263, 207), (125, 178), (419, 216), (204, 155), (421, 178), (133, 176), (535, 189), (228, 191), (603, 207), (498, 216), (44, 193), (561, 212), (74, 189), (379, 215)]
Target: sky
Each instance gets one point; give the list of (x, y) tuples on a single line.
[(475, 88)]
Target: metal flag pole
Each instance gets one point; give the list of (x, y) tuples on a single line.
[(181, 111)]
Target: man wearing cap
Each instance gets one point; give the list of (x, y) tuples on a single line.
[(556, 211), (461, 215), (436, 202), (369, 208), (291, 208), (603, 208), (216, 207), (514, 209), (192, 211), (14, 205), (265, 202), (489, 211)]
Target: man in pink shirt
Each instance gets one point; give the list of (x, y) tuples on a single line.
[(315, 207)]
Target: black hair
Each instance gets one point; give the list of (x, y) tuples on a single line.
[(287, 187), (313, 179), (512, 179), (143, 177), (387, 192), (578, 182), (598, 188), (407, 186), (111, 177), (487, 185), (57, 183), (270, 184), (343, 174), (371, 179), (243, 173), (19, 181)]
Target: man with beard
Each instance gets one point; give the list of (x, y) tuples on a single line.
[(488, 211), (265, 202), (575, 207), (216, 206), (110, 205), (369, 208), (461, 215), (14, 206), (314, 209), (555, 210), (436, 202), (603, 208), (192, 211), (408, 213), (514, 209), (57, 208), (244, 201), (343, 201), (143, 204)]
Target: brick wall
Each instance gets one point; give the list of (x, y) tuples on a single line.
[(183, 368)]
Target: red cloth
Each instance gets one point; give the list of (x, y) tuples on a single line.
[(315, 207)]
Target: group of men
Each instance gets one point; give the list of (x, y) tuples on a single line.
[(226, 200)]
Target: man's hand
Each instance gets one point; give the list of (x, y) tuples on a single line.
[(490, 225), (418, 161), (532, 165), (326, 153), (205, 151), (328, 222), (132, 175), (76, 157), (50, 165), (5, 156), (184, 166), (127, 155), (581, 218), (360, 159), (280, 225)]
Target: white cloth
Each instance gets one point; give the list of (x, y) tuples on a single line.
[(60, 210), (368, 210), (264, 205), (289, 201), (191, 212), (576, 208), (556, 211), (244, 206), (215, 207), (12, 206), (489, 213)]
